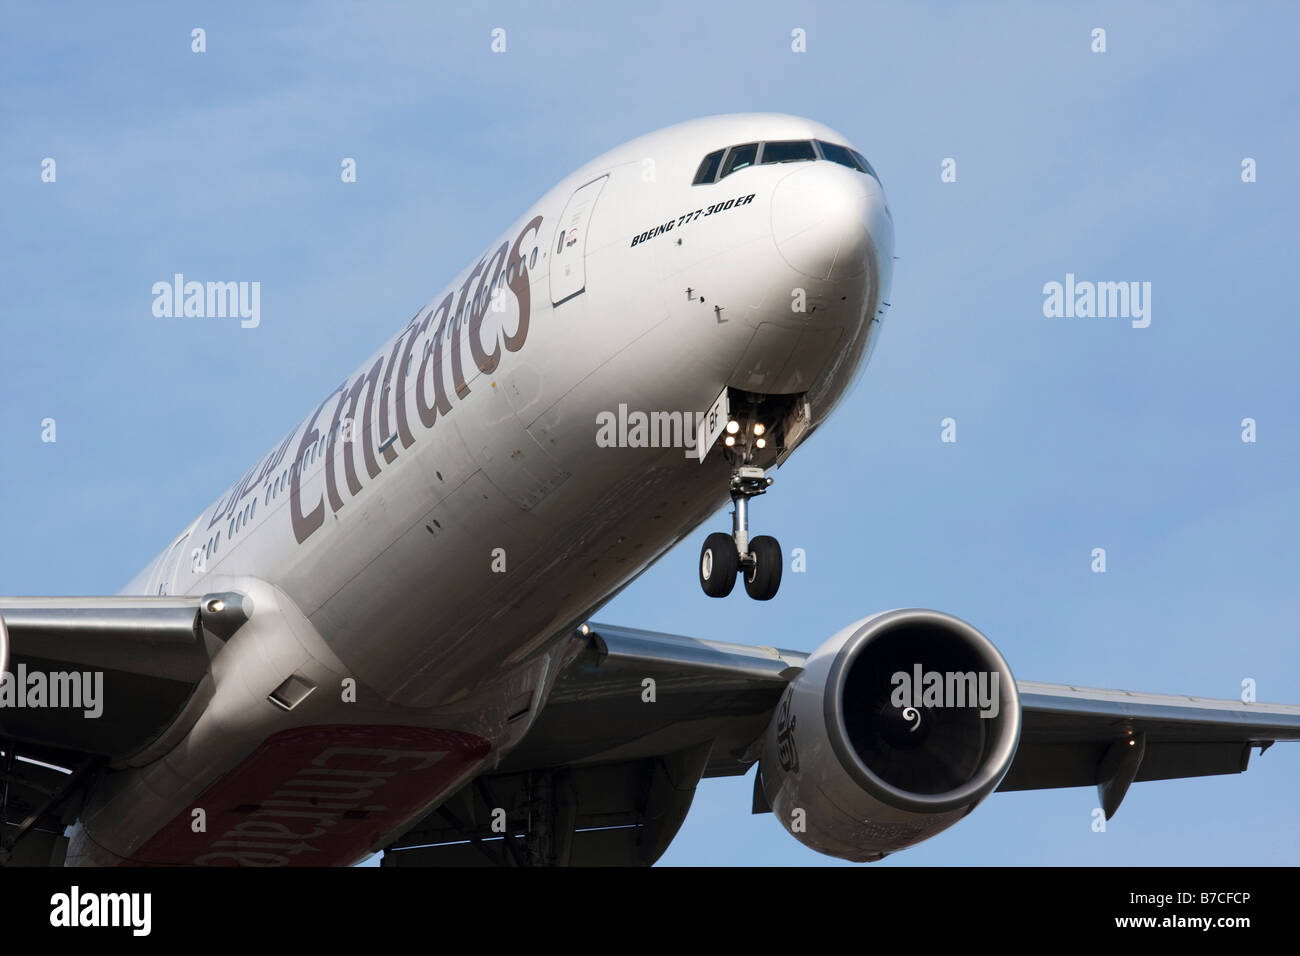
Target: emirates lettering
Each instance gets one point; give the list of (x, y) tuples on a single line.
[(440, 328)]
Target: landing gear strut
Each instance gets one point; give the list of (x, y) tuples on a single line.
[(723, 557), (759, 558)]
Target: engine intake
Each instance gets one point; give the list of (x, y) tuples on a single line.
[(898, 726)]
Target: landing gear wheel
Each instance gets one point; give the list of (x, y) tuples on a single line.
[(763, 577), (719, 564)]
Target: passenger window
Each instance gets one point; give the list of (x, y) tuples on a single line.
[(739, 158), (708, 168), (790, 151), (532, 260)]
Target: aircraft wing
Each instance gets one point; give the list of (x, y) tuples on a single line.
[(92, 680), (620, 757), (1079, 736)]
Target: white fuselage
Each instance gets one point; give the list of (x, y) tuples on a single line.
[(452, 517)]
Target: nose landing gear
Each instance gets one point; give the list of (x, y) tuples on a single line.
[(724, 556), (759, 431), (719, 565)]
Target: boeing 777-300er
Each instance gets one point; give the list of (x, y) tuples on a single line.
[(378, 638)]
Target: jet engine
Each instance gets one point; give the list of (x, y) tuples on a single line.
[(898, 726)]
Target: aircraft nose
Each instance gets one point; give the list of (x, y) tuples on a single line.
[(826, 220)]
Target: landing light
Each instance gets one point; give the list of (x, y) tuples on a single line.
[(759, 428), (733, 426), (730, 440), (761, 443)]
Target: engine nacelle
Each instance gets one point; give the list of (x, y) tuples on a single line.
[(898, 727)]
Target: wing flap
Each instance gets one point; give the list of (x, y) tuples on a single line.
[(609, 814)]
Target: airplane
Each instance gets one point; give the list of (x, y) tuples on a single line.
[(380, 637)]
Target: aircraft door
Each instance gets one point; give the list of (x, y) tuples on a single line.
[(167, 570), (569, 245)]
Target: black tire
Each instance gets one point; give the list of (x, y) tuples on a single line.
[(763, 579), (718, 565)]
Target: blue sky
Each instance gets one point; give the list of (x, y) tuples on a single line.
[(1072, 433)]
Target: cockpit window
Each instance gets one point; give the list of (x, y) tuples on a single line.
[(739, 157), (789, 151), (709, 168), (723, 162), (866, 166), (839, 154), (847, 157)]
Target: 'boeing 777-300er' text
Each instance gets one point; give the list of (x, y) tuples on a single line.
[(378, 638)]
